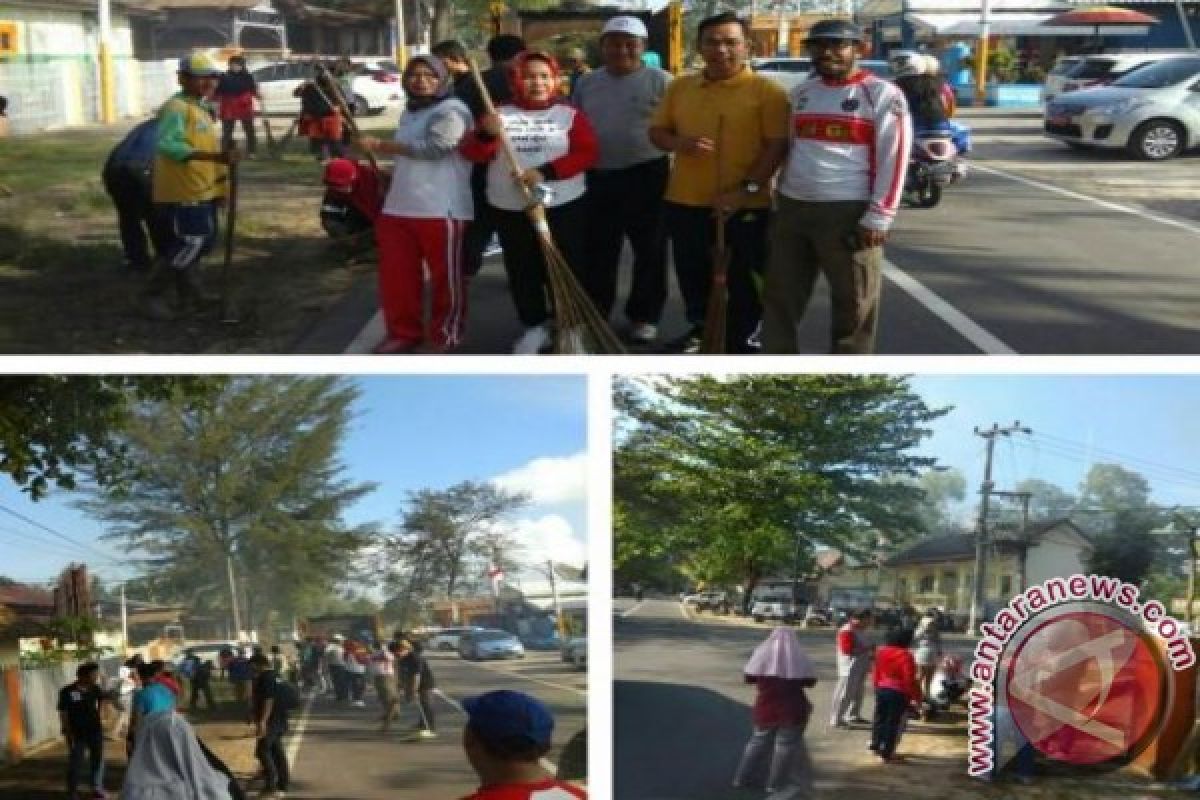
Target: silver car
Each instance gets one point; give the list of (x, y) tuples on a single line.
[(1154, 112), (481, 645)]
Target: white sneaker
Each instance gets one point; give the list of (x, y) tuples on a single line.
[(643, 333), (359, 704), (532, 341), (493, 247)]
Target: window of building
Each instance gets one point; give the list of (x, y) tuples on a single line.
[(926, 584), (949, 581), (1006, 585)]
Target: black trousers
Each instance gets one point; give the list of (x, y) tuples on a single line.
[(273, 758), (341, 683), (481, 229), (227, 127), (129, 188), (890, 706), (692, 231), (523, 259), (628, 203), (197, 689)]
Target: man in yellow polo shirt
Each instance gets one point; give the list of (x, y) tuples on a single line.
[(188, 183), (749, 114)]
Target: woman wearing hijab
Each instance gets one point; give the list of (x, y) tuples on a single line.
[(780, 671), (170, 764), (928, 642), (235, 94), (426, 213), (555, 145)]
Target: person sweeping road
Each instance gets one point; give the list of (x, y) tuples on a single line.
[(781, 672), (419, 686)]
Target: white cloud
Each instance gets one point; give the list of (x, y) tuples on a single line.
[(550, 537), (549, 481)]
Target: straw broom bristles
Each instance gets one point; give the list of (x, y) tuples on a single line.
[(579, 327)]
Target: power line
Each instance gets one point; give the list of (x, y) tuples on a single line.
[(1148, 463), (1178, 477), (53, 532)]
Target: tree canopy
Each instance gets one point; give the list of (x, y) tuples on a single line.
[(733, 478)]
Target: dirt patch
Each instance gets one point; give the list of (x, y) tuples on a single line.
[(63, 287)]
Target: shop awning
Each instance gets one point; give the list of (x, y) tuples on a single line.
[(1014, 24)]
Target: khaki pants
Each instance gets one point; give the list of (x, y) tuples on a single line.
[(811, 239)]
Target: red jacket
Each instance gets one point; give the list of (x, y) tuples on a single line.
[(895, 668), (780, 703)]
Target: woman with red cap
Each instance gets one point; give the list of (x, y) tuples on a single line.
[(426, 213), (555, 145)]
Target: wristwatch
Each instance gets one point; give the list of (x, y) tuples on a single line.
[(751, 187)]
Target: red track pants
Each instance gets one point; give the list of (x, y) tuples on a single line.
[(405, 245)]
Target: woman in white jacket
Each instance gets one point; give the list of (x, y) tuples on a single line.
[(169, 764), (426, 213)]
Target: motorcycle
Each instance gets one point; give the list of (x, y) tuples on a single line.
[(947, 688), (933, 165)]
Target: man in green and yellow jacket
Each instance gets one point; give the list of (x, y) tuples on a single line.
[(188, 184)]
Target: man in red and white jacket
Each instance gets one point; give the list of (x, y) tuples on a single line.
[(838, 194)]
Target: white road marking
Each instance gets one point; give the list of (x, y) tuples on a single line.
[(545, 763), (1137, 212), (371, 335), (629, 612), (294, 742), (963, 325), (552, 684)]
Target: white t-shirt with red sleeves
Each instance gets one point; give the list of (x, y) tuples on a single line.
[(543, 790), (849, 141), (539, 136)]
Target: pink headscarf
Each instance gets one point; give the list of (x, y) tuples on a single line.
[(780, 656)]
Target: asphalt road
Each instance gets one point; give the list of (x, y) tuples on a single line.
[(682, 710), (339, 754), (1042, 250)]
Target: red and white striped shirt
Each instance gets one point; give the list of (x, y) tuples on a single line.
[(849, 142)]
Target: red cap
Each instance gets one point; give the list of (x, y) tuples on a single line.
[(340, 174)]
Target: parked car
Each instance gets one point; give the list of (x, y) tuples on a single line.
[(373, 94), (488, 643), (1107, 68), (205, 651), (547, 641), (708, 601), (574, 652), (1154, 112), (447, 638), (789, 72), (816, 618), (1056, 78), (778, 607)]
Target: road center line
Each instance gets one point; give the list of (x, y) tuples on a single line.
[(552, 684), (294, 742), (963, 325), (629, 612), (1137, 212), (545, 763)]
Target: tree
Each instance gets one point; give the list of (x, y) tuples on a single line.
[(1124, 547), (55, 427), (1112, 487), (943, 490), (443, 529), (1048, 501), (738, 477), (245, 482)]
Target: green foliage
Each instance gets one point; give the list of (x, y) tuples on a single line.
[(1048, 501), (728, 480), (55, 427), (250, 473), (1124, 547)]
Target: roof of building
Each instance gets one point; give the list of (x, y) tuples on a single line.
[(961, 546)]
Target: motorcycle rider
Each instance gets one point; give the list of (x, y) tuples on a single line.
[(838, 193), (930, 99)]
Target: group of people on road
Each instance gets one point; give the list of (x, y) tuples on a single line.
[(901, 670)]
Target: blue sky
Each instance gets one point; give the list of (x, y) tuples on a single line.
[(526, 431), (1148, 423)]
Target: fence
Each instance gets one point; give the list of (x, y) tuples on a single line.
[(37, 703), (66, 93)]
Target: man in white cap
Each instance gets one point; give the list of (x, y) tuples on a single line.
[(626, 189)]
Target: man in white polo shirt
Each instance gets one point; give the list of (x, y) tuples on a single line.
[(625, 190)]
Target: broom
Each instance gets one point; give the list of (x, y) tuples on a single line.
[(267, 128), (339, 104), (718, 293), (579, 328), (230, 227)]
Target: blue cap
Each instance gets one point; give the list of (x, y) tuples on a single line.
[(510, 715)]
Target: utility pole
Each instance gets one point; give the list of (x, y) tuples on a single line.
[(981, 55), (783, 47), (981, 531), (124, 623), (233, 598), (108, 93), (558, 617), (1023, 537), (401, 37)]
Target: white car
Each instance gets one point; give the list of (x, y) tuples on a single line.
[(1057, 77), (447, 638), (1153, 112), (374, 92), (1105, 69), (785, 71), (574, 652)]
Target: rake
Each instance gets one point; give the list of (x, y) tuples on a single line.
[(579, 327), (718, 293)]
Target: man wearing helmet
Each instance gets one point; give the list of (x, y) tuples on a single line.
[(838, 194)]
